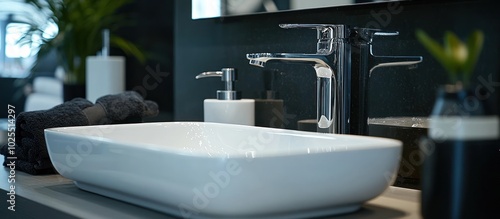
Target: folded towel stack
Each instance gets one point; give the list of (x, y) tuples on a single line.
[(31, 150)]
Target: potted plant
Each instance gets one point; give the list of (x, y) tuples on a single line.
[(80, 24), (458, 58), (457, 165)]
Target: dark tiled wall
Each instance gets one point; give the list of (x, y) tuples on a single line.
[(211, 44)]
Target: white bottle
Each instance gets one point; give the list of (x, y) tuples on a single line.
[(105, 74), (228, 107)]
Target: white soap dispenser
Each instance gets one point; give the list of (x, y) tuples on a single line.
[(228, 107)]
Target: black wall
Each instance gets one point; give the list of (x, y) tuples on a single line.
[(215, 43)]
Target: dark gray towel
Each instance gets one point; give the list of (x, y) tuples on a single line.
[(31, 150), (127, 106)]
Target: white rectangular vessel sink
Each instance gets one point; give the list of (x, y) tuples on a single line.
[(211, 170)]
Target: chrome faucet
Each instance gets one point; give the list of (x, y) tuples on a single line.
[(337, 47), (330, 64)]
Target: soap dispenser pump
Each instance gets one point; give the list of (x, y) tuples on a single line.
[(228, 107)]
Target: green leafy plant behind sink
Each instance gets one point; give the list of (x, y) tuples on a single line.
[(80, 24), (458, 58)]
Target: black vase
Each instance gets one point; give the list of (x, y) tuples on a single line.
[(461, 171), (71, 91)]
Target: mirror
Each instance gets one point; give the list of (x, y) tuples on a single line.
[(221, 8)]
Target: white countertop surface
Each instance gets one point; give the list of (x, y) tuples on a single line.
[(59, 197)]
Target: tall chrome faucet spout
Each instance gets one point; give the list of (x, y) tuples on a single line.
[(260, 59), (325, 82)]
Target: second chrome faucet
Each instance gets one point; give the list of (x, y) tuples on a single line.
[(343, 63)]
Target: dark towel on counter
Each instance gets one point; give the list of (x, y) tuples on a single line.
[(127, 106), (31, 149)]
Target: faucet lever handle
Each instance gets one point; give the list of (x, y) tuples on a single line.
[(327, 34), (385, 33), (364, 36), (311, 26), (367, 34), (325, 31)]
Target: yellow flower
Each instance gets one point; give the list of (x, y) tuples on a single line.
[(457, 57)]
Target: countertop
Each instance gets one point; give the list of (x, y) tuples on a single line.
[(53, 196)]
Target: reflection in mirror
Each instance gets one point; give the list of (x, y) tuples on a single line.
[(220, 8)]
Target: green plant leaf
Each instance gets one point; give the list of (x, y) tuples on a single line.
[(474, 45), (128, 47), (455, 50), (436, 50)]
